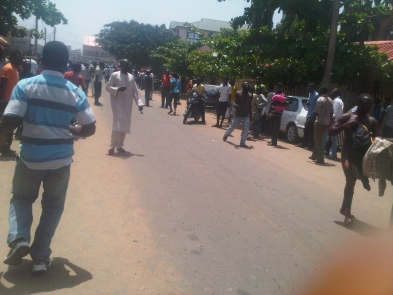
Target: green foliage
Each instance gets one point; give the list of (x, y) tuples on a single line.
[(134, 41), (43, 9)]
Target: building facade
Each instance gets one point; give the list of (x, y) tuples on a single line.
[(93, 52)]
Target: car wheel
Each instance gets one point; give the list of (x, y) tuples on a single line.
[(292, 135)]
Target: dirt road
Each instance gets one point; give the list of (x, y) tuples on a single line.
[(185, 213)]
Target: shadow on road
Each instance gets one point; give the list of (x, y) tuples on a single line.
[(361, 228), (61, 274), (125, 155)]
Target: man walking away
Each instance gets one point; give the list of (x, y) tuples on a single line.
[(225, 91), (308, 138), (279, 104), (201, 90), (242, 105), (75, 76), (86, 76), (147, 85), (123, 89), (9, 78), (165, 89), (323, 114), (350, 123), (175, 93), (338, 109), (46, 104), (98, 83)]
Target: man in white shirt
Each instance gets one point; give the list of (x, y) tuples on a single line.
[(34, 67), (99, 73), (223, 102), (338, 109)]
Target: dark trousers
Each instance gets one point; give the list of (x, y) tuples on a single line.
[(175, 97), (86, 88), (147, 96), (221, 110), (276, 122), (9, 136), (97, 90), (265, 124), (165, 96), (308, 138)]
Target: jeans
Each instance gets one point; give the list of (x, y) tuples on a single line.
[(246, 125), (333, 149), (25, 188)]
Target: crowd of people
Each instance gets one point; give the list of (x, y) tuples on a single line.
[(52, 107)]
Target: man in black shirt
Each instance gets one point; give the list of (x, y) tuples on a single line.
[(242, 105)]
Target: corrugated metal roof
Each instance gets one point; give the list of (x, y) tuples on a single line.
[(383, 46), (204, 24)]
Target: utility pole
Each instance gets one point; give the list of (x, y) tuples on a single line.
[(54, 35), (36, 37), (45, 37), (332, 44)]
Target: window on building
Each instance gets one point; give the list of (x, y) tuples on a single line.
[(192, 36)]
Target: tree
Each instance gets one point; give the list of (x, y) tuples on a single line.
[(134, 41), (43, 9)]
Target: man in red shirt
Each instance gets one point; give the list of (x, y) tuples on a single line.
[(165, 89), (9, 78), (75, 76)]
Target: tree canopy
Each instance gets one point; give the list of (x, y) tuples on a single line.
[(43, 9), (134, 41)]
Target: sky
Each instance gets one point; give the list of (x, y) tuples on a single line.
[(88, 17)]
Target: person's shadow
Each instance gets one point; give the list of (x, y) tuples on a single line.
[(60, 275), (361, 227)]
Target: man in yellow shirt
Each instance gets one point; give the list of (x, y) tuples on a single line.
[(201, 90)]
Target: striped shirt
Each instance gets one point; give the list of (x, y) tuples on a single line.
[(47, 103)]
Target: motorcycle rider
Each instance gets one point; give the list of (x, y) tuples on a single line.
[(201, 90)]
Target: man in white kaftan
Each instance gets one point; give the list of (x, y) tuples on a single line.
[(122, 88)]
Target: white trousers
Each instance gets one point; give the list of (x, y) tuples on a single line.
[(117, 139)]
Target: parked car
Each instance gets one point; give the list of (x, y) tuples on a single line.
[(294, 117), (212, 94)]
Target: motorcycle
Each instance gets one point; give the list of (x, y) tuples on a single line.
[(195, 108)]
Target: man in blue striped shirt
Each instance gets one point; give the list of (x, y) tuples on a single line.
[(46, 104)]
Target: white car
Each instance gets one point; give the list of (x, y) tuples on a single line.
[(294, 117)]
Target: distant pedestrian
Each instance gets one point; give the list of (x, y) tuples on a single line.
[(242, 106), (123, 90), (257, 104), (99, 74), (165, 89), (223, 103), (148, 87), (308, 137), (106, 73), (174, 93), (322, 119), (46, 104), (338, 109), (86, 76), (75, 76), (278, 105), (387, 125), (377, 111), (92, 68)]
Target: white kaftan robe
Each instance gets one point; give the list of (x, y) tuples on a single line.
[(121, 102)]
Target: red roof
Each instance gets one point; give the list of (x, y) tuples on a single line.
[(383, 46)]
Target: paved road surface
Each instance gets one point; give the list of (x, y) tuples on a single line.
[(185, 213)]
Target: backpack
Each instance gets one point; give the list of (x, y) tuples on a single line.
[(361, 139)]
